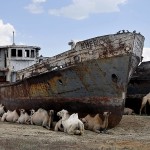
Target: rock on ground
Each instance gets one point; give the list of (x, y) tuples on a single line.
[(132, 133)]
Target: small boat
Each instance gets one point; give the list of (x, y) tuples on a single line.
[(91, 77)]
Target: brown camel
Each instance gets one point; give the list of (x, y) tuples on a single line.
[(95, 123)]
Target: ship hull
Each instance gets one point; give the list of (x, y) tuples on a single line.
[(95, 82), (95, 92), (138, 87)]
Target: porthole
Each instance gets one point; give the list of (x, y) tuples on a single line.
[(114, 78), (60, 82)]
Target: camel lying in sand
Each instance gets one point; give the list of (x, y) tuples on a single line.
[(24, 118), (144, 101), (42, 117), (2, 111), (10, 116), (59, 126), (128, 111), (95, 123), (70, 123)]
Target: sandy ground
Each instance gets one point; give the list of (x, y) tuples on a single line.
[(132, 133)]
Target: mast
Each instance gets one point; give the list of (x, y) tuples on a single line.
[(13, 39)]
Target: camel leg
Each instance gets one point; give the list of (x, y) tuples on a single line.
[(72, 130), (31, 121), (141, 108), (56, 127), (45, 124), (77, 132), (3, 117), (81, 128), (49, 122), (144, 100), (96, 129)]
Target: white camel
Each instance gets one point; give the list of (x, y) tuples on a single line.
[(59, 126), (42, 117), (10, 116), (128, 111), (24, 118), (71, 124)]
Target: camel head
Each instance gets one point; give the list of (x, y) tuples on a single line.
[(62, 113), (22, 111), (32, 111), (51, 114), (85, 122), (106, 113)]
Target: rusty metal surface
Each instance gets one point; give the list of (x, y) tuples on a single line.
[(71, 104), (95, 48), (139, 84), (138, 87), (91, 78), (85, 88)]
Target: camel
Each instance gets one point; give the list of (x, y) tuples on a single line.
[(95, 123), (42, 117), (2, 111), (128, 111), (59, 126), (32, 111), (24, 118), (10, 116), (71, 124), (144, 101)]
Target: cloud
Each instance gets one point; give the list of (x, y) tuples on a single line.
[(146, 54), (36, 7), (39, 1), (81, 9), (6, 33)]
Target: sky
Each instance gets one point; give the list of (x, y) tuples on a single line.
[(51, 24)]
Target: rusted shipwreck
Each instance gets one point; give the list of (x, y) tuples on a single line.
[(138, 87), (91, 78)]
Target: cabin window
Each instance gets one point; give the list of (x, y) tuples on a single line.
[(27, 53), (32, 54), (19, 53), (13, 52)]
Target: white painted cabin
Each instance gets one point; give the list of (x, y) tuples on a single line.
[(14, 58)]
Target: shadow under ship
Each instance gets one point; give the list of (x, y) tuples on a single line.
[(90, 78)]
